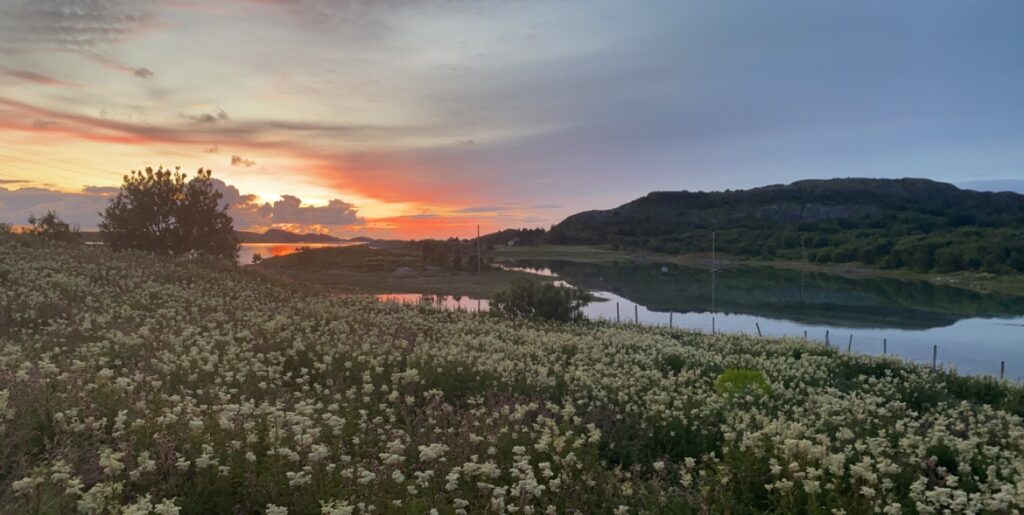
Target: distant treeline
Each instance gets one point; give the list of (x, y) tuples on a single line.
[(910, 224)]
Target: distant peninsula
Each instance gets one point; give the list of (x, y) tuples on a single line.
[(282, 236)]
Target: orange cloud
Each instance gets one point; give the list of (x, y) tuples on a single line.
[(385, 183)]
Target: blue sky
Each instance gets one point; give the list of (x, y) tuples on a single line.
[(428, 117)]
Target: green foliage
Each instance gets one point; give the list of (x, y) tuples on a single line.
[(164, 213), (544, 301), (452, 253), (515, 236), (51, 227), (738, 380)]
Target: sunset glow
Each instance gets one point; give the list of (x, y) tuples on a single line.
[(428, 118)]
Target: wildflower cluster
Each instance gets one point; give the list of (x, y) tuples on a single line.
[(136, 384)]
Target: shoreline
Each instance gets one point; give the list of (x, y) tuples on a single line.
[(972, 281)]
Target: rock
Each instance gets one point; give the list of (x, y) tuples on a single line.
[(404, 271)]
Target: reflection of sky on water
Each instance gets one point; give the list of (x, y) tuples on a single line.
[(266, 250), (974, 345), (449, 302)]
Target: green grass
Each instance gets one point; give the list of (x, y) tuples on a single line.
[(367, 270), (735, 381), (579, 253)]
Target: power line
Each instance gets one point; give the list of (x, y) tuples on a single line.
[(47, 165), (13, 177), (36, 173), (53, 159)]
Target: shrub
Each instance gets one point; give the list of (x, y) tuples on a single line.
[(545, 301), (51, 227), (739, 380)]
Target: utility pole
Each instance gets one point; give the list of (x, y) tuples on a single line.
[(478, 257), (714, 266)]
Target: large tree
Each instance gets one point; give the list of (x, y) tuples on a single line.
[(166, 213)]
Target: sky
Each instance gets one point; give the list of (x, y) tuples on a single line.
[(425, 118)]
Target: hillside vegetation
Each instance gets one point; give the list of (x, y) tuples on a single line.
[(914, 224), (136, 384)]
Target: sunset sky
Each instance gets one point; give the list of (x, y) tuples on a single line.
[(403, 118)]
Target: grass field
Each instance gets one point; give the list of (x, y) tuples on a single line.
[(133, 384), (583, 254), (368, 270)]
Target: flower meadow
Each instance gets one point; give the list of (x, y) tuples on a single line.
[(136, 384)]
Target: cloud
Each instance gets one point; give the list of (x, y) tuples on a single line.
[(211, 150), (41, 79), (72, 24), (480, 209), (113, 64), (289, 210), (40, 123), (546, 206), (286, 211), (261, 134), (75, 208), (237, 160), (204, 118), (83, 207), (103, 191), (13, 181)]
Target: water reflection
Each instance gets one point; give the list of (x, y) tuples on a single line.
[(266, 250), (448, 302), (972, 332), (808, 298)]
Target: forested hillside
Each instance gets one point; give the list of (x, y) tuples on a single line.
[(915, 224)]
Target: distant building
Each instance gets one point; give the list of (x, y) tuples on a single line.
[(513, 242)]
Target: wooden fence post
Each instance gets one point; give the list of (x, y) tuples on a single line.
[(758, 328), (636, 314), (617, 313), (670, 320), (885, 345), (826, 337), (712, 325), (805, 335), (935, 355), (1002, 369), (849, 346)]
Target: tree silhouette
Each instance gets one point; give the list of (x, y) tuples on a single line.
[(165, 213), (51, 227)]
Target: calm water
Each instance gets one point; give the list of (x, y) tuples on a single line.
[(973, 331), (248, 250)]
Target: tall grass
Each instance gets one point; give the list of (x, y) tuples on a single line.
[(142, 385)]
